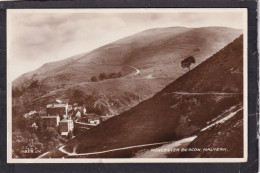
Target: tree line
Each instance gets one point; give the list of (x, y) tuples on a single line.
[(104, 76)]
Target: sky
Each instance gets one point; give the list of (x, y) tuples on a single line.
[(35, 37)]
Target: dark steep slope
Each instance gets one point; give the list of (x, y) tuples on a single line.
[(180, 110)]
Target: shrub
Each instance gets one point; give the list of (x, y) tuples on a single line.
[(187, 62), (102, 76), (34, 84), (94, 79)]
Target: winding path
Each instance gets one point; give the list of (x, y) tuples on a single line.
[(77, 122), (106, 151), (207, 93), (137, 70)]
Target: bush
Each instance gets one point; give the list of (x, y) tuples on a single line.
[(34, 84), (119, 74), (113, 75), (94, 79), (52, 138), (102, 76), (16, 92), (23, 141), (70, 135)]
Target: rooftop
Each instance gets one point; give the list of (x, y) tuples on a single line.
[(62, 101), (56, 105), (52, 116), (64, 133), (65, 120), (93, 117)]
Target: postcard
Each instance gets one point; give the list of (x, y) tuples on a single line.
[(140, 85)]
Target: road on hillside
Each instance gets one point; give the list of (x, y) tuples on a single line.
[(106, 151), (88, 124), (207, 93), (137, 70)]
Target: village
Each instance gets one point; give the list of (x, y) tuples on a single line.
[(68, 120)]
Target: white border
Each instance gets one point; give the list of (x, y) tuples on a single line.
[(129, 160)]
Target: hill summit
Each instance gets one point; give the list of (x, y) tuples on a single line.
[(117, 76)]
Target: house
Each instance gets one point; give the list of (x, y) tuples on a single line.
[(78, 111), (82, 109), (62, 101), (75, 104), (78, 114), (29, 114), (75, 115), (61, 109), (50, 121), (66, 126), (70, 108), (93, 119)]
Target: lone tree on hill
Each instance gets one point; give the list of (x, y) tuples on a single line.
[(187, 62)]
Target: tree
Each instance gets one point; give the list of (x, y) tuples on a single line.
[(78, 93), (112, 75), (102, 76), (70, 135), (34, 84), (93, 79), (119, 74), (16, 92), (25, 141), (187, 62)]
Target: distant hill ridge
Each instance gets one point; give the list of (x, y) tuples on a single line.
[(156, 53), (138, 49)]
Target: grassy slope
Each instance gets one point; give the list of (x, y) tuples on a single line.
[(117, 96), (169, 116), (151, 48), (156, 52)]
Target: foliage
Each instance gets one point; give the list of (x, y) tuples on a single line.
[(104, 76), (34, 84), (16, 92), (70, 135), (30, 144), (52, 137), (26, 144), (187, 62), (78, 97), (94, 79)]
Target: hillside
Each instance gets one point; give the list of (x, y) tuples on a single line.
[(155, 53), (182, 109), (160, 45), (228, 134)]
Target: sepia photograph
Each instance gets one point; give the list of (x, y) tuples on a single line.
[(127, 85)]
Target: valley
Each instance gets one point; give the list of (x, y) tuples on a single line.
[(140, 93)]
